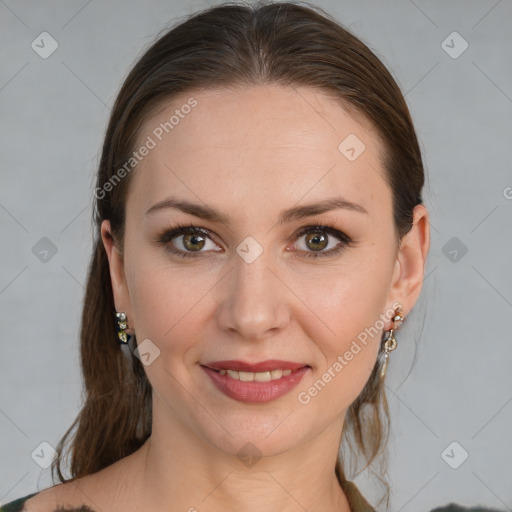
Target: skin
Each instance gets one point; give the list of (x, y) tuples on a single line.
[(252, 153)]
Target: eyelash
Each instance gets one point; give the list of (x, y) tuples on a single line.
[(186, 229)]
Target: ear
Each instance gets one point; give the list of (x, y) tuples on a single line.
[(117, 274), (409, 270)]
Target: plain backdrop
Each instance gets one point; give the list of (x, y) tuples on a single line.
[(449, 383)]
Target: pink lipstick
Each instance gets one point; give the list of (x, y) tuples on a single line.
[(255, 382)]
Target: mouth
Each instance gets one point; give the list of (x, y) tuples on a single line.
[(272, 380), (264, 371), (256, 376)]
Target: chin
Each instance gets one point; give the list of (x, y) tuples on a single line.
[(258, 439)]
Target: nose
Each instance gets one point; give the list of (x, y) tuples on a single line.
[(254, 299)]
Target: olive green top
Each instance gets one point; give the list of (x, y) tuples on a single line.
[(354, 497)]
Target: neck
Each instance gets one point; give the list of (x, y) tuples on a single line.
[(183, 470)]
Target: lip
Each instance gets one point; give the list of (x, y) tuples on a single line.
[(263, 366), (256, 392)]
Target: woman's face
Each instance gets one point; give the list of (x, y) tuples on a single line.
[(249, 287)]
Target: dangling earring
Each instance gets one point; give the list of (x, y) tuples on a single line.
[(390, 343), (122, 336)]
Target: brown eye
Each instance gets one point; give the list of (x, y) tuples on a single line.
[(193, 242), (319, 238), (316, 241), (187, 241)]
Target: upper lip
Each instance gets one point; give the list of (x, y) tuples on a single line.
[(262, 366)]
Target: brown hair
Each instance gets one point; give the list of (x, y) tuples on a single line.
[(224, 46)]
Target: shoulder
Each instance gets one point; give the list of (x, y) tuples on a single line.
[(59, 498), (89, 493), (17, 504)]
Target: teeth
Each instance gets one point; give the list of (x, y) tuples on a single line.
[(258, 376)]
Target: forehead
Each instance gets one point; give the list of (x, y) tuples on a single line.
[(258, 146)]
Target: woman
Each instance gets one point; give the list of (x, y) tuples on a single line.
[(260, 237)]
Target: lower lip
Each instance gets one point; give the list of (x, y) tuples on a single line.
[(256, 392)]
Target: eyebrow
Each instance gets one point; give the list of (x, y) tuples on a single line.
[(295, 213)]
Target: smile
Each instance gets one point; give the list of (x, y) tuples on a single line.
[(255, 387), (256, 376)]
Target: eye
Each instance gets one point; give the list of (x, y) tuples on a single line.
[(185, 241), (318, 238), (189, 241)]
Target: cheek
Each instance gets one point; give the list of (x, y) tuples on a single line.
[(167, 301), (349, 348), (345, 320), (344, 301), (167, 307)]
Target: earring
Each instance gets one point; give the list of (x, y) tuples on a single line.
[(122, 336), (390, 342)]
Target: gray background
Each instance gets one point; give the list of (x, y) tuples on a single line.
[(54, 112)]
